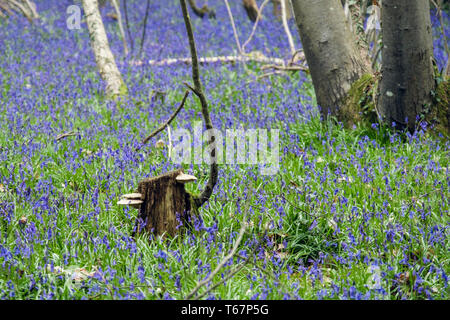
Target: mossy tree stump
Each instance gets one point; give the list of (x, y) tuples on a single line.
[(164, 204)]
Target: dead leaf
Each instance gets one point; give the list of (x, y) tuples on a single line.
[(76, 274), (403, 278), (23, 220), (159, 144)]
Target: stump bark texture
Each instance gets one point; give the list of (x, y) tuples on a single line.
[(163, 199)]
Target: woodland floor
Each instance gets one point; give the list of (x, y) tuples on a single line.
[(351, 214)]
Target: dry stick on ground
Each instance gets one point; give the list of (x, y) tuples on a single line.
[(165, 124), (283, 68), (65, 135), (256, 24), (214, 168), (265, 75), (236, 37), (221, 59), (296, 53), (237, 269), (119, 21), (225, 259), (229, 276)]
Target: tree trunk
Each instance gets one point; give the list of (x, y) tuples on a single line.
[(251, 8), (200, 12), (407, 71), (25, 7), (277, 8), (103, 56), (163, 198), (331, 50)]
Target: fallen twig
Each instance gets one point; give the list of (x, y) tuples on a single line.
[(65, 135), (165, 124), (285, 68), (229, 276), (207, 60), (265, 75), (222, 263), (294, 56)]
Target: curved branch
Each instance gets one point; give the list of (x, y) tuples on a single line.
[(214, 169)]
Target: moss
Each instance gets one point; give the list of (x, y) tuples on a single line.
[(123, 89), (438, 115), (359, 105)]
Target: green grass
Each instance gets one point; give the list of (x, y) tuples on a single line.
[(317, 209)]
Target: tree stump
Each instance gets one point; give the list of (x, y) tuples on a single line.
[(163, 199)]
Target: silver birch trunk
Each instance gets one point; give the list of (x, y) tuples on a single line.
[(104, 58)]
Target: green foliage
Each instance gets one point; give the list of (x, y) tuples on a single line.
[(439, 113), (360, 104)]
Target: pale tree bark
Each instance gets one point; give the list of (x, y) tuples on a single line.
[(104, 58), (285, 8), (25, 7), (331, 50), (407, 71), (356, 18), (119, 22)]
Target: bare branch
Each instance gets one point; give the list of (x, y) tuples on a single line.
[(236, 37), (65, 135), (229, 276), (223, 262), (286, 27), (283, 68), (214, 169), (145, 27), (258, 17), (221, 59), (119, 21), (165, 124), (127, 24)]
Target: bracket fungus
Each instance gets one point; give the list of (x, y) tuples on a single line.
[(131, 199), (184, 178)]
